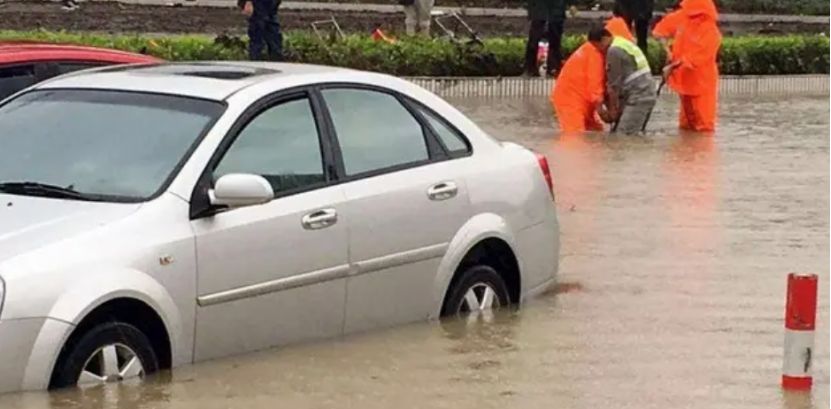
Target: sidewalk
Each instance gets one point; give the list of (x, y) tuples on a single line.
[(471, 11), (219, 16)]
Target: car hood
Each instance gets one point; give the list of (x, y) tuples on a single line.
[(29, 223)]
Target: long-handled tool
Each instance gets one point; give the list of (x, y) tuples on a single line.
[(657, 94)]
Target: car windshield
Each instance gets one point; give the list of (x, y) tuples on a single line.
[(97, 145)]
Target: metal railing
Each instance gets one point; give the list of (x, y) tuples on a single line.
[(537, 87)]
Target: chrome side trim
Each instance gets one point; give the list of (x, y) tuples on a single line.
[(399, 259), (301, 280), (328, 274)]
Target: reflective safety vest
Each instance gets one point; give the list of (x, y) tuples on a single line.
[(641, 63)]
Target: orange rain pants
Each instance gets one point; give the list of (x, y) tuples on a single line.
[(618, 27), (698, 112), (695, 48), (579, 89)]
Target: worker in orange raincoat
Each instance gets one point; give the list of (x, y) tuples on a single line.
[(692, 70), (578, 92), (619, 25)]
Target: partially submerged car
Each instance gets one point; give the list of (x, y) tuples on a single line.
[(158, 215)]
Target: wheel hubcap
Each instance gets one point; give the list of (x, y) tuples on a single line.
[(111, 363), (479, 298)]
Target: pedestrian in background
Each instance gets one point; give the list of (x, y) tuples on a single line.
[(639, 13), (547, 18), (263, 29), (417, 16)]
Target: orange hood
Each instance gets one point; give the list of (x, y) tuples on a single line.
[(700, 8)]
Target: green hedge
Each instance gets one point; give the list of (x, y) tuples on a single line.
[(805, 54)]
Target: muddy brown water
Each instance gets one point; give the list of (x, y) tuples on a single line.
[(675, 253)]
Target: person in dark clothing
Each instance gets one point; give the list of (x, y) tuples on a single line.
[(639, 12), (263, 29), (542, 13)]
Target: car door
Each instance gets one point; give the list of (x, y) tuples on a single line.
[(274, 273), (405, 201)]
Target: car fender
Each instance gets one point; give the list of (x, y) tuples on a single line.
[(89, 292), (478, 228)]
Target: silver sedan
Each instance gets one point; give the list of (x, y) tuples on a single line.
[(157, 215)]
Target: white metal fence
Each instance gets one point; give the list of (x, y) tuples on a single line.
[(536, 87)]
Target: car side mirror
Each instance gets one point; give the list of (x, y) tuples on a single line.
[(241, 190)]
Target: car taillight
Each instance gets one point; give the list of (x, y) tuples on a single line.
[(546, 172)]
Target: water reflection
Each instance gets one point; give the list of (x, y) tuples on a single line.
[(692, 185)]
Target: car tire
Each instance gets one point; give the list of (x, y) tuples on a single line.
[(476, 281), (101, 347)]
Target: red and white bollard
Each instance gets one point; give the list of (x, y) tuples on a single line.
[(800, 319)]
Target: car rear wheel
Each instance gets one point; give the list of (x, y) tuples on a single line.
[(479, 289), (107, 353)]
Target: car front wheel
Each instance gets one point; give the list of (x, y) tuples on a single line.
[(107, 353)]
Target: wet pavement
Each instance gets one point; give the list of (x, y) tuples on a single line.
[(671, 295)]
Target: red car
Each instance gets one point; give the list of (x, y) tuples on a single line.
[(25, 63)]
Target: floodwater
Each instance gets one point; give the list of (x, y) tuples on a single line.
[(671, 295)]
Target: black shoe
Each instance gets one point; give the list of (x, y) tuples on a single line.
[(70, 5)]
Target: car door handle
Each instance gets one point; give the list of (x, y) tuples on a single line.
[(320, 219), (443, 191)]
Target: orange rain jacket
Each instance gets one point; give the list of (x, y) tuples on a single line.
[(618, 27), (668, 25), (697, 39), (579, 89)]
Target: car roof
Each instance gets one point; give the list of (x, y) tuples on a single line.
[(13, 52), (207, 80)]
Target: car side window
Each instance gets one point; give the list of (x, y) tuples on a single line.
[(452, 140), (282, 145), (16, 78), (374, 130)]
